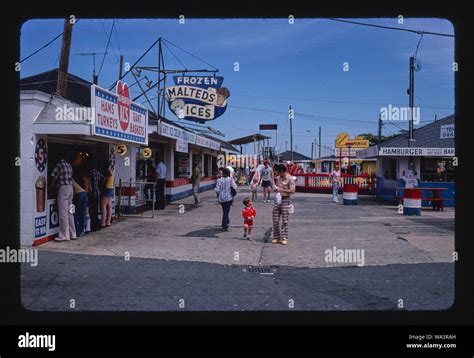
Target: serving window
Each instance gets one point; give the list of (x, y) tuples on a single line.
[(437, 170)]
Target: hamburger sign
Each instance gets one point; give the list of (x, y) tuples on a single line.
[(197, 98)]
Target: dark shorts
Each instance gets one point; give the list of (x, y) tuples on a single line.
[(108, 193), (266, 183)]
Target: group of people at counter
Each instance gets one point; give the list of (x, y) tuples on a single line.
[(80, 188)]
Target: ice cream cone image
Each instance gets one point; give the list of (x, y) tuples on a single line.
[(40, 186), (222, 94)]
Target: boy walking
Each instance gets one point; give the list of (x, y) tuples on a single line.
[(248, 214)]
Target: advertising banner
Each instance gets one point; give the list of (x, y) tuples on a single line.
[(197, 98), (116, 117)]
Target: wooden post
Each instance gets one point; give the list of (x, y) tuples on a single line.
[(64, 59)]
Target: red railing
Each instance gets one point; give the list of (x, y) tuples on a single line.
[(320, 181)]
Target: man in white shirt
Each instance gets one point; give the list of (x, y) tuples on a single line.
[(160, 184)]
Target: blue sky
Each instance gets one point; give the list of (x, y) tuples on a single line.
[(280, 65)]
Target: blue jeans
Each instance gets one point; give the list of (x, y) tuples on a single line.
[(225, 213), (80, 203)]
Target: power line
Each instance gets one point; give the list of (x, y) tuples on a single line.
[(392, 28), (44, 46), (136, 62), (189, 53), (117, 39), (106, 48), (176, 57), (303, 115), (107, 34), (336, 101)]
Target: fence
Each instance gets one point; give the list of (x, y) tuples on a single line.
[(321, 182), (134, 198)]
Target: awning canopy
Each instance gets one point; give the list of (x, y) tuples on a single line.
[(249, 139), (60, 116)]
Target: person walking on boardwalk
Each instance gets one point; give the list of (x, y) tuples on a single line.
[(224, 195), (285, 186), (266, 181), (334, 179), (196, 182)]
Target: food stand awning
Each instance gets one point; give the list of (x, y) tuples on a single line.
[(60, 116), (248, 139)]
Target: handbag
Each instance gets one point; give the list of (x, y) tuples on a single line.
[(233, 192)]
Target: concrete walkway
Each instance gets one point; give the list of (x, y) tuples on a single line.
[(316, 226)]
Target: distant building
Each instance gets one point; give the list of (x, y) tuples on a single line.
[(430, 156)]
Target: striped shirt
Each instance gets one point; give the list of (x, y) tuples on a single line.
[(96, 178), (223, 189), (63, 173)]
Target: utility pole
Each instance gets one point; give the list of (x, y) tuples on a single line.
[(161, 75), (290, 116), (64, 59), (286, 146), (379, 140), (411, 93), (121, 66), (312, 150), (319, 154)]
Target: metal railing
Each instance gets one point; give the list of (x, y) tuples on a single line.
[(134, 198), (365, 182)]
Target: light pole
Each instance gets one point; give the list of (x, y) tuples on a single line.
[(349, 146), (291, 115)]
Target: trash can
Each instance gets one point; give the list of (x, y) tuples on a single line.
[(411, 202), (349, 194)]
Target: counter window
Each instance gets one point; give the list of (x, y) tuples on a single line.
[(437, 170)]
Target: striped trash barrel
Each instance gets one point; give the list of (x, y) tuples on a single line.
[(411, 202), (349, 194)]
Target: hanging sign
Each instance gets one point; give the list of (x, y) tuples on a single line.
[(197, 98), (117, 117), (359, 142)]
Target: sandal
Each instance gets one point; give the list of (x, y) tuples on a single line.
[(276, 241), (284, 242)]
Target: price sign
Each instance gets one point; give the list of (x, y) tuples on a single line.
[(147, 153), (121, 149)]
